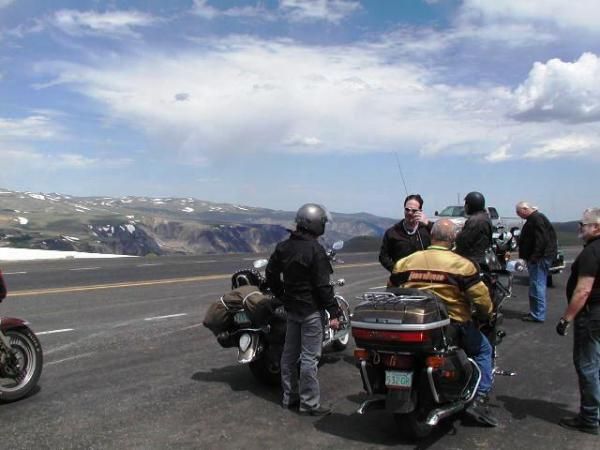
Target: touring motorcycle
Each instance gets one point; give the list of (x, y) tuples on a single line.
[(260, 337), (21, 357), (409, 358)]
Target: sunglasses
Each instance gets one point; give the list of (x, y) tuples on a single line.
[(583, 224), (411, 210)]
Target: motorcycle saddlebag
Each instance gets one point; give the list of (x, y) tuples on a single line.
[(218, 318), (405, 320)]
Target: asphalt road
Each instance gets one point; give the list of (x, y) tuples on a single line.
[(129, 365)]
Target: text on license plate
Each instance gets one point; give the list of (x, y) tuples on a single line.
[(241, 317), (394, 378)]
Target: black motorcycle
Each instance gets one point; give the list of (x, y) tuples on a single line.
[(256, 322), (409, 358)]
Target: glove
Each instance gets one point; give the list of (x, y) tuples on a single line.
[(562, 326)]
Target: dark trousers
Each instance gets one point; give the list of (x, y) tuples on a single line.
[(586, 357)]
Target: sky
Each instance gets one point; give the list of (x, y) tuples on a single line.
[(276, 103)]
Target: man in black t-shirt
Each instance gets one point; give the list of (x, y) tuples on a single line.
[(583, 294)]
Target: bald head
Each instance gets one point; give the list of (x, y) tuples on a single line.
[(525, 209), (443, 233)]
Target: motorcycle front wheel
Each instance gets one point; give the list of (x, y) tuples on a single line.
[(341, 343), (266, 371), (21, 370)]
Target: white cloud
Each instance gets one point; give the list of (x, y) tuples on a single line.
[(111, 23), (564, 91), (245, 95), (5, 3), (26, 158), (572, 145), (501, 154), (34, 127), (581, 14), (203, 9), (333, 11)]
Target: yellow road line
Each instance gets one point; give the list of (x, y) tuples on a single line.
[(33, 292)]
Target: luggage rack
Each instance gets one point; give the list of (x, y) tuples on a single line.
[(389, 297)]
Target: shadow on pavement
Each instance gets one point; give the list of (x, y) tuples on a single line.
[(541, 409), (377, 428), (239, 378)]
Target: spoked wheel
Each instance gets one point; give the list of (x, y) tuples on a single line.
[(20, 369), (341, 343)]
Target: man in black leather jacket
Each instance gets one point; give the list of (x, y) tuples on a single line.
[(409, 235), (537, 246), (475, 238), (305, 292)]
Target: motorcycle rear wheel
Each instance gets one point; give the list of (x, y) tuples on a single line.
[(29, 361), (413, 424)]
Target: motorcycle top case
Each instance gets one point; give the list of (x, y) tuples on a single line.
[(400, 320)]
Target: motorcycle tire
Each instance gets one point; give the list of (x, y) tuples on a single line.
[(30, 358), (340, 344), (413, 424), (266, 371)]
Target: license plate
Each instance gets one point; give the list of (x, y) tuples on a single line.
[(397, 379), (241, 317)]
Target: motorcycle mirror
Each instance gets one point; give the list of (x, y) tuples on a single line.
[(516, 233), (338, 245), (260, 263)]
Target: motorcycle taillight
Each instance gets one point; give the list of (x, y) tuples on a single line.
[(391, 335)]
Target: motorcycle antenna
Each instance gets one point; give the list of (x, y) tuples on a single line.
[(401, 174), (418, 236), (406, 191)]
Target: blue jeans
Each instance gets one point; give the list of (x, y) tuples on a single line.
[(586, 357), (303, 342), (478, 347), (538, 274)]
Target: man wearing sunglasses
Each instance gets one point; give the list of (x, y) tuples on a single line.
[(583, 293), (407, 236), (538, 247)]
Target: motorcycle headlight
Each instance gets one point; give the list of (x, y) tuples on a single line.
[(244, 342)]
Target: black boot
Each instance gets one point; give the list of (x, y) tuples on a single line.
[(479, 411)]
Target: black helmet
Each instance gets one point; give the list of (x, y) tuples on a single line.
[(312, 218), (474, 202)]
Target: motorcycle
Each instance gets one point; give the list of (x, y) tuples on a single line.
[(21, 358), (260, 342), (409, 359)]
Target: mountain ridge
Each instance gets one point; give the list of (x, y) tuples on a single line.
[(146, 225)]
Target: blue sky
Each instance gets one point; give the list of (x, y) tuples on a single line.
[(281, 102)]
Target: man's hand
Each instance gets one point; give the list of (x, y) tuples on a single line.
[(562, 326), (334, 324)]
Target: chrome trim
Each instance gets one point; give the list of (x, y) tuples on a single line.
[(440, 413), (434, 391), (363, 372), (472, 396), (377, 402), (405, 327)]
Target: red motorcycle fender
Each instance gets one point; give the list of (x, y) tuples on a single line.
[(9, 323), (400, 401)]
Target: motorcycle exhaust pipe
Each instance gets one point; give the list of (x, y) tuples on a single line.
[(440, 413)]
